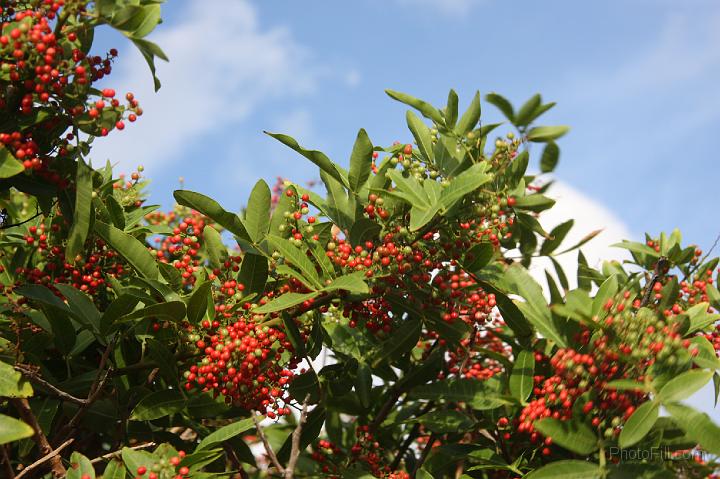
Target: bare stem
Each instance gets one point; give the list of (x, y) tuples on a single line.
[(111, 455), (33, 376), (268, 449), (295, 451)]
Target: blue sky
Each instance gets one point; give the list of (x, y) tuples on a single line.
[(636, 79)]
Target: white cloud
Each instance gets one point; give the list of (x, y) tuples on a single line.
[(589, 215), (449, 7), (222, 69)]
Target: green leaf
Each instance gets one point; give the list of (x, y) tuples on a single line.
[(253, 273), (569, 469), (198, 304), (317, 157), (294, 334), (478, 257), (115, 469), (698, 426), (427, 110), (521, 379), (626, 385), (227, 432), (502, 104), (572, 435), (547, 133), (81, 306), (464, 184), (403, 339), (306, 385), (360, 161), (550, 157), (80, 466), (134, 459), (639, 424), (81, 215), (9, 166), (363, 384), (158, 404), (212, 210), (353, 283), (409, 189), (451, 110), (12, 384), (606, 291), (478, 394), (169, 311), (535, 202), (535, 308), (214, 247), (700, 318), (470, 118), (442, 422), (149, 51), (296, 257), (422, 135), (130, 248), (685, 385), (12, 429), (637, 248), (557, 235), (257, 213), (526, 114), (285, 301)]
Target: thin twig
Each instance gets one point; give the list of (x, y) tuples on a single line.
[(95, 389), (295, 450), (111, 455), (268, 449), (26, 414), (425, 453), (34, 377), (660, 266), (9, 472), (410, 438), (50, 456)]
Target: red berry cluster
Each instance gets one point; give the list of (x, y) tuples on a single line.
[(165, 469), (244, 362)]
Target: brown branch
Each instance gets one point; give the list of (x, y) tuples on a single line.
[(425, 453), (660, 266), (111, 455), (33, 376), (95, 390), (410, 438), (295, 450), (268, 449), (26, 414), (9, 472)]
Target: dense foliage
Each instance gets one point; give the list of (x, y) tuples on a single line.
[(387, 327)]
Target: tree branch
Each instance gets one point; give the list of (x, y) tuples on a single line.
[(26, 414), (111, 455), (268, 449), (33, 376), (410, 438), (295, 451), (660, 266), (425, 453)]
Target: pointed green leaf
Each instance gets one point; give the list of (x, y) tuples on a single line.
[(317, 157), (550, 157), (502, 104), (698, 426), (557, 235), (422, 135), (214, 247), (464, 184), (81, 215), (607, 290), (9, 166), (212, 210), (547, 133), (12, 384), (521, 379), (451, 110), (257, 213), (427, 110), (285, 301), (572, 435), (299, 260), (227, 432), (253, 273), (353, 283), (639, 424), (197, 306), (685, 385), (12, 429), (526, 113), (360, 161), (470, 118), (130, 248), (158, 404)]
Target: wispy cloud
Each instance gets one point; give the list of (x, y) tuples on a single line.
[(449, 7), (222, 69)]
